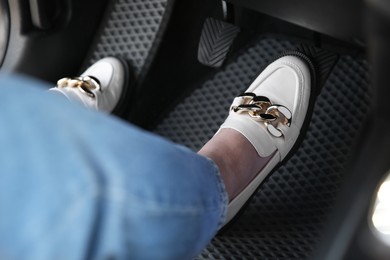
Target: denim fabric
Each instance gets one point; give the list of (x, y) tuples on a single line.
[(77, 184)]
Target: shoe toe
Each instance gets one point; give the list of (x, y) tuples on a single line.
[(286, 82), (111, 75), (103, 70)]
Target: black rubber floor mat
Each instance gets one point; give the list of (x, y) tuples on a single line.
[(132, 30), (284, 219)]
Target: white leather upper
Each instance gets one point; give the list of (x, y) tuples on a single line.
[(111, 75), (285, 82)]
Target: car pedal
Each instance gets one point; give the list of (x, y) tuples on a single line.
[(215, 42), (323, 60)]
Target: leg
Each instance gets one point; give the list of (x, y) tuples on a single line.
[(76, 184), (225, 149), (108, 189)]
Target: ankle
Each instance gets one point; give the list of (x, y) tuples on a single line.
[(236, 158), (220, 153)]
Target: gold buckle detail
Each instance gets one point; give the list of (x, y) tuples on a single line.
[(85, 84), (261, 109)]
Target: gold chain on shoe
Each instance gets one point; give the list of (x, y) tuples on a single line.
[(85, 84), (261, 109)]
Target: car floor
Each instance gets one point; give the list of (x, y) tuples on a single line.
[(285, 218)]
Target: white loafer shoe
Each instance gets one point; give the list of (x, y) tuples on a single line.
[(271, 114), (100, 87)]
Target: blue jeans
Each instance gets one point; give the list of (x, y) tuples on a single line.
[(76, 184)]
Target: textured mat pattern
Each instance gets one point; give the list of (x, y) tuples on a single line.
[(129, 31), (284, 219)]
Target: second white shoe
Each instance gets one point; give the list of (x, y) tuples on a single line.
[(100, 87)]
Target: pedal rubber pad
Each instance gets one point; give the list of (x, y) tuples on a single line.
[(216, 39), (323, 60)]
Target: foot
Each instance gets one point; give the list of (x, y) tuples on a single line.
[(100, 87), (262, 128)]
